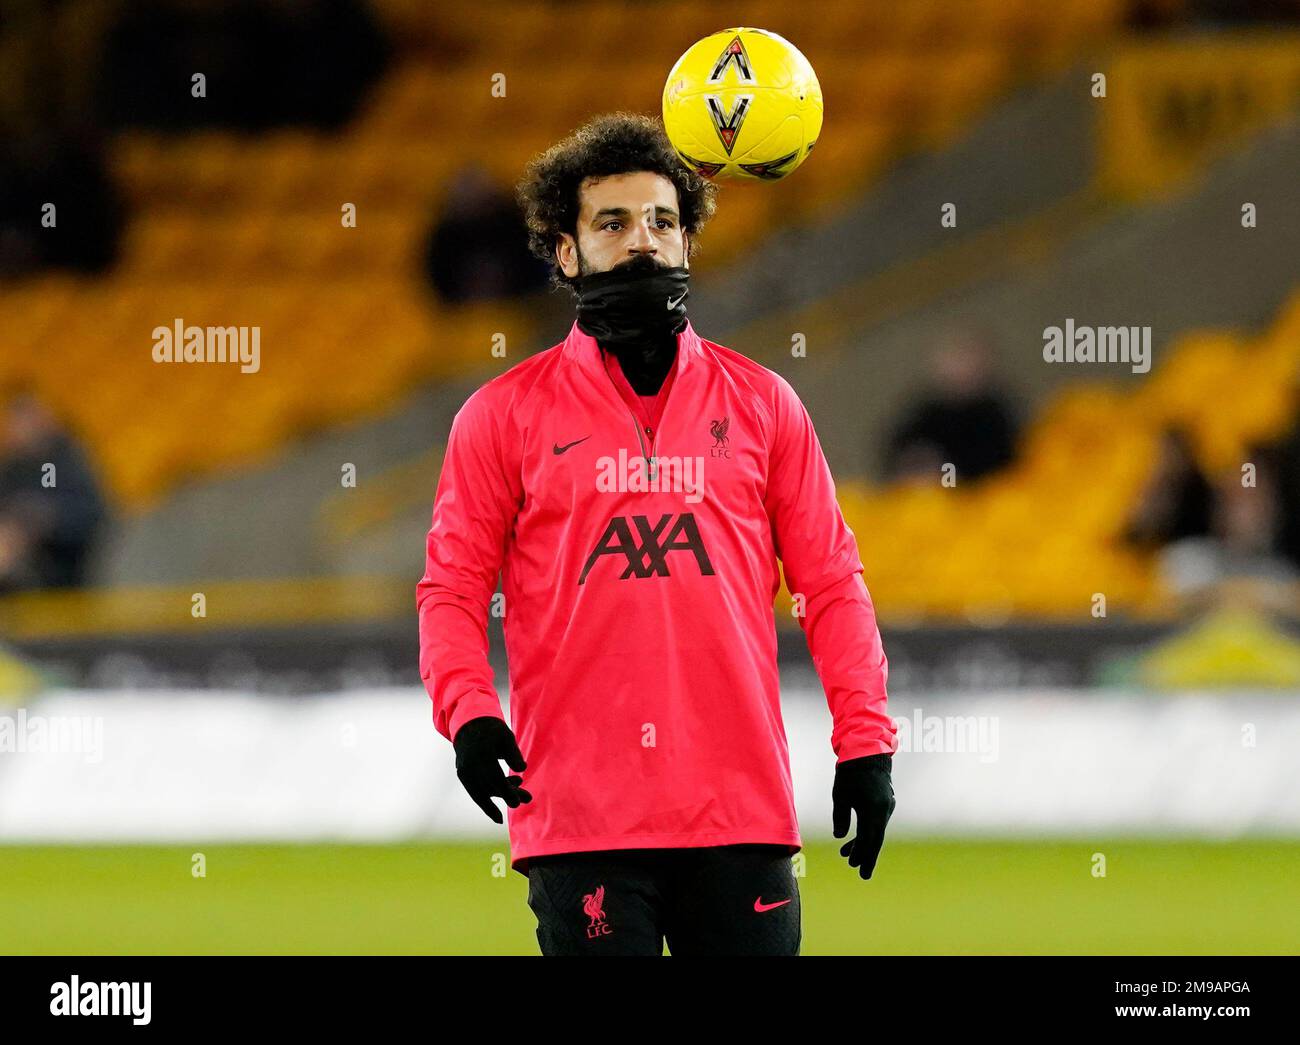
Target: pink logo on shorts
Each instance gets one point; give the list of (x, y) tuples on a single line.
[(593, 906)]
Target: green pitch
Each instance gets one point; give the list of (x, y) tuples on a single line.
[(927, 897)]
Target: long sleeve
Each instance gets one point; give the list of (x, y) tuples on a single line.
[(840, 626), (479, 494), (819, 554)]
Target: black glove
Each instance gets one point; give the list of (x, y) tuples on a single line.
[(863, 786), (480, 745)]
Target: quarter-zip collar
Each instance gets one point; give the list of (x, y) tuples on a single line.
[(582, 349), (649, 408)]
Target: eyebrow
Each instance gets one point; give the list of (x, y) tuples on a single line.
[(623, 212)]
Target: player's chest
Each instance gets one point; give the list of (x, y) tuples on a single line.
[(706, 450)]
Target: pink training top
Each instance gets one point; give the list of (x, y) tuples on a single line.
[(639, 622)]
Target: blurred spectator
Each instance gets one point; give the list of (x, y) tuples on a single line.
[(50, 504), (68, 171), (1242, 547), (1177, 501), (1287, 459), (1242, 12), (266, 65), (1171, 14), (479, 247), (964, 419)]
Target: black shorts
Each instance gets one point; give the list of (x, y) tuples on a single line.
[(715, 900)]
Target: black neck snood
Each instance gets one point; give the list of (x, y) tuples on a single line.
[(635, 312)]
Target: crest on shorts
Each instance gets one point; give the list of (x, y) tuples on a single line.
[(593, 906)]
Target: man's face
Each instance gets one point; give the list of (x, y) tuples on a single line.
[(623, 216)]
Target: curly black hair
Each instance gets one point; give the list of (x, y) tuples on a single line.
[(615, 143)]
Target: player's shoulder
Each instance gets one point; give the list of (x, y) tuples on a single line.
[(767, 385), (508, 392)]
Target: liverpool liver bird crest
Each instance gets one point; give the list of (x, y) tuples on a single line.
[(718, 429), (593, 906)]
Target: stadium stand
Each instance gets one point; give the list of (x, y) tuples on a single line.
[(350, 333), (246, 229)]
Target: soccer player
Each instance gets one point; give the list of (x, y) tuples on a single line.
[(634, 487)]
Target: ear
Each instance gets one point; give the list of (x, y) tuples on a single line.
[(686, 249), (566, 253)]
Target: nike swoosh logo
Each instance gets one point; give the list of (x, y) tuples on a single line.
[(760, 906), (558, 449), (673, 304)]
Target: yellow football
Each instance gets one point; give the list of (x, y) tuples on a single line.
[(743, 103)]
